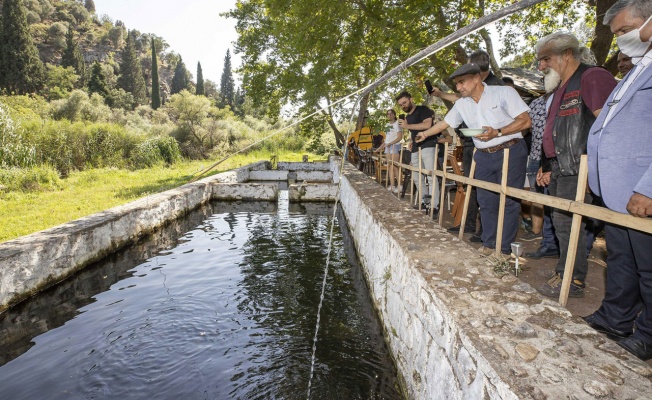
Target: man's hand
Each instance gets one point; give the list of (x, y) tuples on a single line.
[(639, 205), (420, 137), (543, 178), (436, 92), (402, 123), (489, 133)]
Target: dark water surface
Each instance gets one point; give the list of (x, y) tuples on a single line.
[(220, 305)]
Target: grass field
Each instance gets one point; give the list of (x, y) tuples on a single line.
[(87, 192)]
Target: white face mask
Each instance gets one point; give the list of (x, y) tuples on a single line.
[(631, 43)]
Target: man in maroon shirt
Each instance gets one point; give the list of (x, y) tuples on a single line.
[(581, 91)]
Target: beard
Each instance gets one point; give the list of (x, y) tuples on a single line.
[(407, 109), (551, 80)]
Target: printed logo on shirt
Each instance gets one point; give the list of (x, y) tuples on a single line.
[(574, 93)]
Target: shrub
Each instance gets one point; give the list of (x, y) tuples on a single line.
[(14, 150), (106, 145), (155, 151), (39, 178), (71, 107), (79, 107)]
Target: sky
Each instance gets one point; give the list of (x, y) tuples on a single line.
[(192, 28)]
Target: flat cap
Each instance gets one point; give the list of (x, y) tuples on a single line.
[(466, 69)]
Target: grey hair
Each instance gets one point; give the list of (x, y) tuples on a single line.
[(481, 59), (562, 41), (587, 56), (638, 8)]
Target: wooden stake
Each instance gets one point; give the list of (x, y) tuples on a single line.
[(442, 193), (420, 194), (582, 178), (503, 200), (434, 178), (467, 198)]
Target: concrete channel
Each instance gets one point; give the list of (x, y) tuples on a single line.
[(456, 330)]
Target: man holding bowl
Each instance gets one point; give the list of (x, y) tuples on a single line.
[(498, 115)]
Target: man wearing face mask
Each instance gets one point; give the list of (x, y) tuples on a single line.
[(620, 170), (579, 93)]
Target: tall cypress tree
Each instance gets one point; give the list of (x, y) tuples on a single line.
[(227, 85), (180, 79), (156, 87), (97, 82), (200, 81), (131, 74), (21, 69), (90, 6), (72, 56)]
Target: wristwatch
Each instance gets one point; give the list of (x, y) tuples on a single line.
[(500, 132)]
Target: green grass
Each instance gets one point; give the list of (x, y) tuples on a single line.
[(91, 191)]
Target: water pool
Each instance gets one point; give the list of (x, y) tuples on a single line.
[(223, 307)]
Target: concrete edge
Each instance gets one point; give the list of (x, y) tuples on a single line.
[(459, 331)]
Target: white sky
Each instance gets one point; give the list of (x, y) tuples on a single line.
[(192, 28)]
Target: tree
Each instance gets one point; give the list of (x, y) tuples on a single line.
[(227, 85), (90, 6), (239, 101), (180, 80), (369, 38), (21, 69), (97, 82), (195, 120), (200, 81), (72, 56), (156, 87), (131, 78), (60, 81)]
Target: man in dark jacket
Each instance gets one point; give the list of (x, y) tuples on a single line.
[(581, 92)]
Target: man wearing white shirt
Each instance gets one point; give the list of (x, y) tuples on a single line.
[(501, 112), (620, 170)]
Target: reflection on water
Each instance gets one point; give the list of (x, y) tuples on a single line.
[(227, 311)]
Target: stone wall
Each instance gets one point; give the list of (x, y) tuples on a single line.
[(459, 331)]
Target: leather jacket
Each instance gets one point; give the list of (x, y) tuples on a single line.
[(571, 127)]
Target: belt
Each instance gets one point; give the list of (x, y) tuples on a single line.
[(500, 146)]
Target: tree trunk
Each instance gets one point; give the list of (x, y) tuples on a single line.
[(362, 112), (490, 49), (612, 64), (339, 138), (603, 36)]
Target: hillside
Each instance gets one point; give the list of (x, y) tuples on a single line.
[(99, 39)]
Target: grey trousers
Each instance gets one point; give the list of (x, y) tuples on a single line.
[(427, 162)]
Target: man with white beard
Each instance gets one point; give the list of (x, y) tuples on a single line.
[(579, 93)]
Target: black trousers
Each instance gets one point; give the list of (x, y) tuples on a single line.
[(628, 293)]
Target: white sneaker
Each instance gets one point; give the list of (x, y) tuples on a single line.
[(395, 190), (389, 188)]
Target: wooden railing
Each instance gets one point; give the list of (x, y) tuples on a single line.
[(577, 207)]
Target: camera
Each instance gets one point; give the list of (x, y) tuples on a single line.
[(429, 87), (401, 116)]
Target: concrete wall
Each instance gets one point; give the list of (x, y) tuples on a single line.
[(458, 331)]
